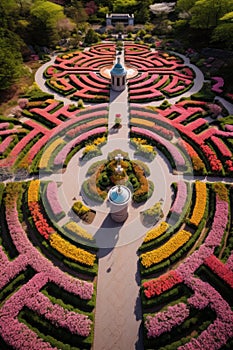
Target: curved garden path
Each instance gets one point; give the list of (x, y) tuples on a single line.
[(118, 310)]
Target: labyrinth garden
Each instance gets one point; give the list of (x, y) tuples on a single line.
[(49, 270)]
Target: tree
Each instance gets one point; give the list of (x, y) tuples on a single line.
[(185, 5), (76, 11), (142, 11), (103, 11), (124, 6), (91, 37), (119, 27), (91, 8), (10, 59), (65, 27), (44, 18), (24, 7), (223, 33), (162, 8), (206, 13), (8, 9)]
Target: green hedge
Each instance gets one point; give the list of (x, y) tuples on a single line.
[(171, 230), (58, 337), (46, 249), (176, 256), (26, 149), (177, 93), (79, 146), (207, 275), (16, 283), (89, 194), (60, 91), (197, 321), (5, 237), (168, 297), (55, 293), (34, 168), (96, 99)]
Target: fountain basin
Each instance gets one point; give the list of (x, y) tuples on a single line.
[(119, 197)]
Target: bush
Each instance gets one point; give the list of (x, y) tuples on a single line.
[(80, 209)]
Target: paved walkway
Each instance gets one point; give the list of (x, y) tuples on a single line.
[(118, 308)]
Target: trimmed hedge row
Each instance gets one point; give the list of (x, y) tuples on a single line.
[(181, 252), (46, 248), (58, 337), (197, 321)]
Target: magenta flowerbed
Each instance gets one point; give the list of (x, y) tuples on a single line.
[(203, 298), (48, 119), (77, 74), (186, 120), (180, 199), (161, 75), (29, 294)]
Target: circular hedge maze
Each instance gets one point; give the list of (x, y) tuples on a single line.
[(81, 74), (49, 260)]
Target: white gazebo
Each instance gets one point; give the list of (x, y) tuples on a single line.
[(118, 76)]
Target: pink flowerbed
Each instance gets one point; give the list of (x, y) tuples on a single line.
[(164, 321), (175, 154), (217, 87), (5, 144), (52, 197), (37, 261), (204, 295), (70, 73), (213, 240), (61, 156), (180, 199)]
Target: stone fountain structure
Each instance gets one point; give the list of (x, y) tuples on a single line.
[(119, 196)]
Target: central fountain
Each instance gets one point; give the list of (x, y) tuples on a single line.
[(119, 196)]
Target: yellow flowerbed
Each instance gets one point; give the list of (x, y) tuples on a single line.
[(156, 231), (157, 255), (142, 122), (146, 148), (100, 140), (139, 140), (71, 251), (90, 148), (200, 204), (33, 191), (81, 232), (48, 151)]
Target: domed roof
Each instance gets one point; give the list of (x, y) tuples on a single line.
[(118, 69), (119, 195)]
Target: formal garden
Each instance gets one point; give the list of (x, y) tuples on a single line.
[(58, 159), (48, 280)]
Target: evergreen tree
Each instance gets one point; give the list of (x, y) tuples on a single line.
[(10, 58)]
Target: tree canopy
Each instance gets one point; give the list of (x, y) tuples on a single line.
[(44, 18), (124, 6), (206, 13), (10, 58)]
